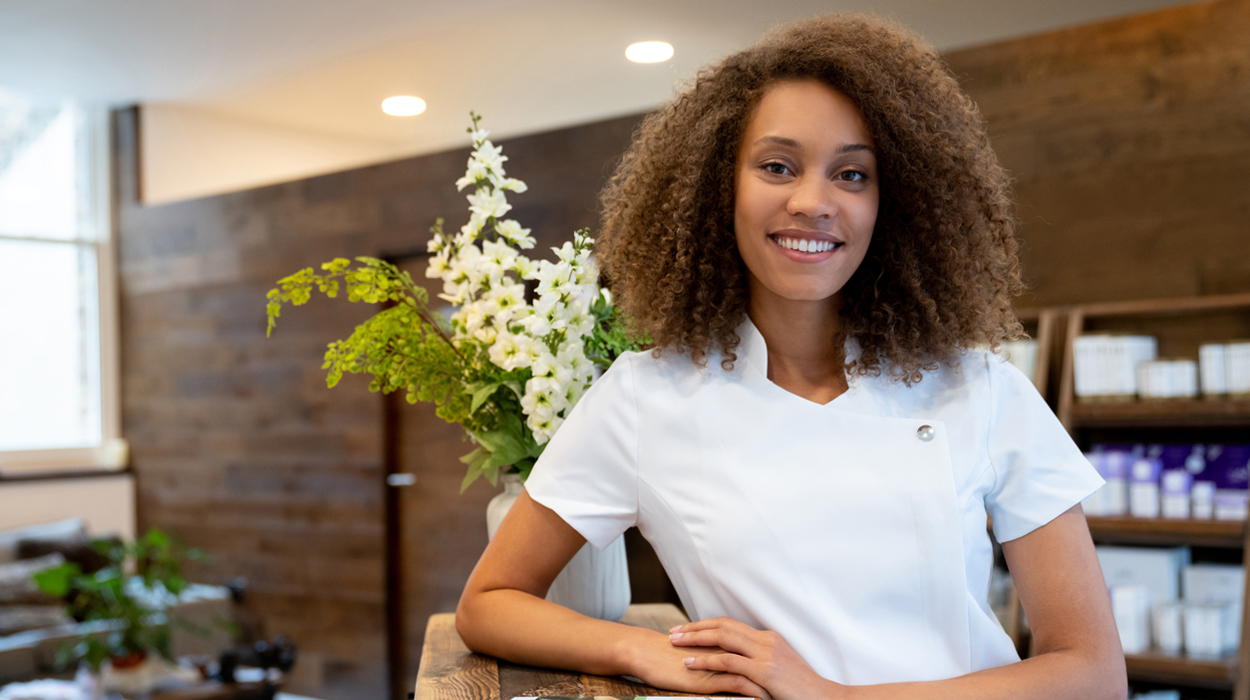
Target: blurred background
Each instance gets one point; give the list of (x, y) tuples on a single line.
[(163, 164)]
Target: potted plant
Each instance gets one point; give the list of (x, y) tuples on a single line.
[(507, 368), (130, 592)]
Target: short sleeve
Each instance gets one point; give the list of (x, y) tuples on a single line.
[(588, 474), (1039, 471)]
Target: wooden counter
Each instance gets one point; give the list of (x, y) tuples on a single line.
[(449, 671)]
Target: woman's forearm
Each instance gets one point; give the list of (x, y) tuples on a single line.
[(1058, 674), (524, 628)]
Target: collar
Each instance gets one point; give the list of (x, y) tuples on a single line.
[(754, 350)]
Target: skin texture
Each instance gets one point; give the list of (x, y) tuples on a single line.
[(806, 170), (794, 174)]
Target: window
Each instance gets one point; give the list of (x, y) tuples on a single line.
[(58, 359)]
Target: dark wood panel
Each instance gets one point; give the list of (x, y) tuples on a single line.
[(1182, 670), (1131, 151), (1160, 531)]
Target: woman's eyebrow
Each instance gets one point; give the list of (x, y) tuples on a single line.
[(791, 143)]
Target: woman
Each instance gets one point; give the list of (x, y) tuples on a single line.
[(816, 235)]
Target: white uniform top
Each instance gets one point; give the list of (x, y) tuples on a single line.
[(837, 526)]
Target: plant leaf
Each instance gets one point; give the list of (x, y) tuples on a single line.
[(481, 392)]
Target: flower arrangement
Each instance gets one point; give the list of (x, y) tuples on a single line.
[(509, 371)]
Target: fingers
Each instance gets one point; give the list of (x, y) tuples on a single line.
[(729, 681), (709, 623), (732, 673), (729, 640)]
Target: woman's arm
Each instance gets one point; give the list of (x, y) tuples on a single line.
[(1065, 598), (502, 612)]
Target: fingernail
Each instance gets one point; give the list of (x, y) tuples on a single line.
[(688, 660), (675, 635), (674, 629)]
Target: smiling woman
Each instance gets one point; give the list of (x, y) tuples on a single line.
[(817, 237)]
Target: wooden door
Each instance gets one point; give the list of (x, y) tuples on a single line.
[(435, 533)]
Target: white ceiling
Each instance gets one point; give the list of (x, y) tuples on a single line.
[(323, 66)]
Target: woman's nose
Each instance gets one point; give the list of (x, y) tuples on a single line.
[(814, 198)]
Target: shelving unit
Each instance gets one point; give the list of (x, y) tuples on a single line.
[(1040, 323), (1181, 325)]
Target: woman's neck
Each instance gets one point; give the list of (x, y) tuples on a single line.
[(804, 340)]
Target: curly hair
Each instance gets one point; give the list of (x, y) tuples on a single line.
[(941, 269)]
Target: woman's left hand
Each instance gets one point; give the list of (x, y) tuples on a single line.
[(761, 656)]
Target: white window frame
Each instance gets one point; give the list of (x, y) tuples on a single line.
[(112, 453)]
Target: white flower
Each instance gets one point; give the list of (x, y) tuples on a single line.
[(554, 279), (438, 265), (486, 334), (488, 203), (500, 253), (548, 316), (525, 268), (470, 231), (506, 301), (511, 230), (476, 171), (589, 276), (511, 351), (513, 184), (544, 365), (475, 317), (543, 429), (479, 135), (490, 156), (567, 253)]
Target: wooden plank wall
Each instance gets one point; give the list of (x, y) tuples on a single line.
[(236, 442), (1130, 144)]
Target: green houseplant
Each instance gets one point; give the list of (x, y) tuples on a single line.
[(127, 592)]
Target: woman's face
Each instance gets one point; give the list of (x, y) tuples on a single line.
[(806, 197)]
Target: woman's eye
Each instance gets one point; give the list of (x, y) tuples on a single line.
[(852, 176), (776, 168)]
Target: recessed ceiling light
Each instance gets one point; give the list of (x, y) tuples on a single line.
[(649, 52), (403, 106)]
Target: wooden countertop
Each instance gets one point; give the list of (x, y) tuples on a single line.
[(449, 671)]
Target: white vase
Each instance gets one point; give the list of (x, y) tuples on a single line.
[(594, 583)]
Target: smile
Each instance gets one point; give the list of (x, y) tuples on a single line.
[(804, 245)]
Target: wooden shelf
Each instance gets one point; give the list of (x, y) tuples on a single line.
[(1160, 531), (1162, 413), (1157, 667)]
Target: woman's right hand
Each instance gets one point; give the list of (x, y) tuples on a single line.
[(655, 661)]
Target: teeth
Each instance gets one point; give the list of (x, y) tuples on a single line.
[(805, 246)]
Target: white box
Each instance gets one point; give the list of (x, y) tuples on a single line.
[(1217, 583), (1156, 568), (1205, 625), (1130, 605), (1211, 369)]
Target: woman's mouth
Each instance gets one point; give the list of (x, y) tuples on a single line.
[(805, 249)]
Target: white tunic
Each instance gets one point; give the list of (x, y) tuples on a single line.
[(836, 526)]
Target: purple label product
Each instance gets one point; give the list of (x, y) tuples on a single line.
[(1095, 503), (1143, 489), (1202, 500), (1113, 466), (1231, 505), (1174, 493)]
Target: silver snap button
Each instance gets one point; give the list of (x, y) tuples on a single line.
[(926, 432)]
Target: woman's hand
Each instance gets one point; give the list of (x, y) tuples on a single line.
[(659, 663), (762, 657)]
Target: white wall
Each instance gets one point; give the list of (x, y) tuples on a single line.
[(106, 503), (188, 152)]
